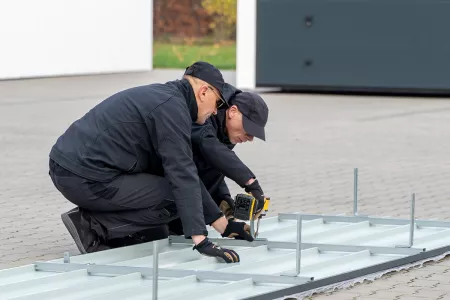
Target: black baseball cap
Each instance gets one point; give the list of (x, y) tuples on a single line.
[(254, 113), (229, 92), (208, 73)]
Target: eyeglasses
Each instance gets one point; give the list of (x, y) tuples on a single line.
[(220, 102)]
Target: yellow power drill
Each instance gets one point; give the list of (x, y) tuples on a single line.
[(245, 210)]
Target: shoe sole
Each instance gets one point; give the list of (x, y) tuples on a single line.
[(73, 232)]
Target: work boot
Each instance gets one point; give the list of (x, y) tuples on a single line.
[(85, 238)]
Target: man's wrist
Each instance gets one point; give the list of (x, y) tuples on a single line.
[(250, 181), (198, 238), (220, 224)]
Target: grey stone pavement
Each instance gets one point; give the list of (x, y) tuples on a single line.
[(399, 144)]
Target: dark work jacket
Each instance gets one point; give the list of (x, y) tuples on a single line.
[(141, 129), (215, 158)]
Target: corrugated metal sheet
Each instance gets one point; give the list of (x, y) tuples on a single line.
[(334, 248)]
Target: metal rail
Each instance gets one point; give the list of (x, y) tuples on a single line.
[(412, 224), (355, 192), (163, 272), (371, 220), (155, 271), (303, 246), (298, 249)]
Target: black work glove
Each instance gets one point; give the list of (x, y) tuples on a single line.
[(238, 230), (209, 249), (257, 192), (229, 200), (227, 206)]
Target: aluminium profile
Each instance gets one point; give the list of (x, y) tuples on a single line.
[(372, 220), (163, 272), (304, 246)]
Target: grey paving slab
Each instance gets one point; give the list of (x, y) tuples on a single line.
[(399, 144)]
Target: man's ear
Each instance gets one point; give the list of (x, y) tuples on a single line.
[(202, 93), (232, 111)]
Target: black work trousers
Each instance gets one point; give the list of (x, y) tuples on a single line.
[(128, 204)]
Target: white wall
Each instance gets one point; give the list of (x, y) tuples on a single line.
[(68, 37), (246, 44)]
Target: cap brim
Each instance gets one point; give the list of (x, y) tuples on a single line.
[(253, 129)]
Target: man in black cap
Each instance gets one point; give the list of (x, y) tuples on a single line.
[(127, 165), (243, 119), (213, 144)]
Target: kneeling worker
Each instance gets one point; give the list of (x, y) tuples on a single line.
[(127, 165), (213, 144)]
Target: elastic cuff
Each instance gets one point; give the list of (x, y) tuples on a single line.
[(244, 181), (205, 233)]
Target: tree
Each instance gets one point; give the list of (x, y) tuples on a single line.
[(223, 14)]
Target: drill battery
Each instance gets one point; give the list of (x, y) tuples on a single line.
[(246, 205)]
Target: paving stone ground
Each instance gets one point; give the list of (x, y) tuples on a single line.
[(399, 144)]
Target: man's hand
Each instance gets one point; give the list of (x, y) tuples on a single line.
[(255, 189), (227, 206), (209, 249), (238, 230)]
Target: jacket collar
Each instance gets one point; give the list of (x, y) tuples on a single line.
[(188, 93), (220, 124)]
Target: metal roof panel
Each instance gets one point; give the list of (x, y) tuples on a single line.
[(332, 248)]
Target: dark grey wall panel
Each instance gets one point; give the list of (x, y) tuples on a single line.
[(354, 44)]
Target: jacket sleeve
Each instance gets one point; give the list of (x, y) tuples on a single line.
[(170, 130), (222, 191), (220, 156)]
